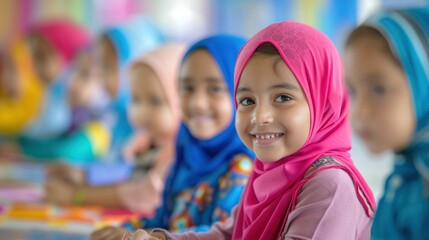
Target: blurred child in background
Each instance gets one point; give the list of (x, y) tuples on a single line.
[(53, 45), (387, 63), (41, 62), (212, 165), (80, 143), (154, 114), (116, 49)]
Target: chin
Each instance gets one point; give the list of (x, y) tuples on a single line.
[(376, 149), (202, 135), (267, 158)]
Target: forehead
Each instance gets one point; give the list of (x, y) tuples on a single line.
[(266, 69), (200, 66), (199, 58)]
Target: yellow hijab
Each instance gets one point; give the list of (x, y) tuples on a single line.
[(16, 113)]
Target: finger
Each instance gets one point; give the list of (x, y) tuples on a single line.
[(107, 233), (100, 234), (142, 235)]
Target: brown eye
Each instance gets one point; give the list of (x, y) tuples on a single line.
[(283, 98), (246, 102)]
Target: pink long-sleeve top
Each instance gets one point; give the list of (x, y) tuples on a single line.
[(326, 208)]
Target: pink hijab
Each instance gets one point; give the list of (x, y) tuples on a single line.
[(66, 37), (273, 187)]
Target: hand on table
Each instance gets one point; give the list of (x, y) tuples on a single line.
[(59, 191), (108, 233), (143, 235), (65, 172)]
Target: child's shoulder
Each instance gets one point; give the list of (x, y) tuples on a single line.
[(322, 174), (319, 164)]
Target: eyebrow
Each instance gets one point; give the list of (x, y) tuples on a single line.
[(287, 86), (208, 79)]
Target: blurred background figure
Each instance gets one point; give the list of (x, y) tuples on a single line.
[(154, 114), (386, 60)]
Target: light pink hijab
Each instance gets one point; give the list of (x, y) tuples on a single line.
[(146, 194), (273, 187)]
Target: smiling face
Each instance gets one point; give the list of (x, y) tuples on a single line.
[(150, 109), (382, 112), (273, 117), (205, 100)]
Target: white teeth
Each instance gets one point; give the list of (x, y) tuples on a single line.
[(268, 136)]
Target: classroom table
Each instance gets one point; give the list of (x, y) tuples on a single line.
[(24, 214)]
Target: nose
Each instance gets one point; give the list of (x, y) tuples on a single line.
[(262, 114), (198, 100), (360, 109)]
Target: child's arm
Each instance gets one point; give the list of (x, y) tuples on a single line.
[(145, 195), (218, 231), (328, 208), (61, 192)]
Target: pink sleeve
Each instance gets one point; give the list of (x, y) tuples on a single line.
[(218, 231), (328, 208)]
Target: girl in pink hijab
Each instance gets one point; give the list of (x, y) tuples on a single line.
[(292, 109)]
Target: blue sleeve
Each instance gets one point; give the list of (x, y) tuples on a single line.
[(231, 187)]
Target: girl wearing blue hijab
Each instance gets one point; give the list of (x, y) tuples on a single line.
[(212, 165), (387, 65)]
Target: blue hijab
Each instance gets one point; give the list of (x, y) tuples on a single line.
[(403, 211), (131, 40), (196, 159), (55, 116)]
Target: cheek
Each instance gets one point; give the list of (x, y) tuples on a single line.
[(164, 123), (403, 124), (184, 106), (242, 121), (224, 110), (297, 122), (135, 115)]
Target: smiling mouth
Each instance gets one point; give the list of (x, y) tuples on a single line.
[(201, 119), (266, 139)]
